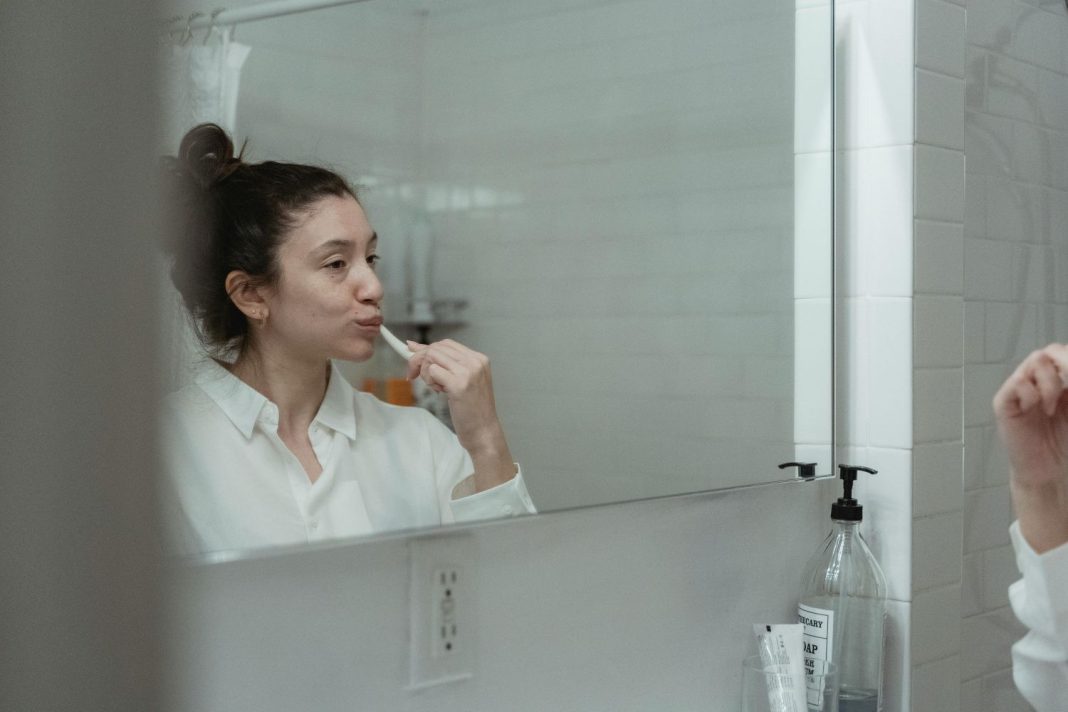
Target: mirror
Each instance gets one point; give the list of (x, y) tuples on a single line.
[(626, 205)]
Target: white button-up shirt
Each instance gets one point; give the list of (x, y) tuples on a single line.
[(1040, 601), (232, 484)]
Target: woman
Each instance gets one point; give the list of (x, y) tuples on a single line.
[(270, 445), (1032, 415)]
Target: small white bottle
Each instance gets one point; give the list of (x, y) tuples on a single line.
[(843, 605)]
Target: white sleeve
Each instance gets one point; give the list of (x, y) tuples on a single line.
[(453, 465), (509, 499), (1040, 600)]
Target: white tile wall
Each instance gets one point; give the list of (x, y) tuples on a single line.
[(1017, 104), (652, 146)]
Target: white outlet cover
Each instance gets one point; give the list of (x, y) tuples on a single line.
[(428, 557)]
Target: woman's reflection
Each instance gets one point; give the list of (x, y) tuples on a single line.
[(270, 445)]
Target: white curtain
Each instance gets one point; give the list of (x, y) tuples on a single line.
[(202, 75)]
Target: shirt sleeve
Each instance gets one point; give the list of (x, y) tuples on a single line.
[(509, 499), (453, 465), (1040, 600)]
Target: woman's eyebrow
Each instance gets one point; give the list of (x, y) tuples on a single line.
[(342, 244)]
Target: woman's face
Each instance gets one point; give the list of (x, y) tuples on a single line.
[(325, 303)]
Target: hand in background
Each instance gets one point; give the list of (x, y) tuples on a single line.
[(1032, 416)]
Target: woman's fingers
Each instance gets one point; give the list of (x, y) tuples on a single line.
[(1047, 381), (1039, 380), (458, 367)]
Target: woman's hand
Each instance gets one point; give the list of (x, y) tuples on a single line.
[(464, 377), (1032, 416)]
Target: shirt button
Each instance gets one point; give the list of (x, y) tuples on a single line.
[(313, 525), (507, 509)]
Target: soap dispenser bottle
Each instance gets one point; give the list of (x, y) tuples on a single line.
[(843, 606)]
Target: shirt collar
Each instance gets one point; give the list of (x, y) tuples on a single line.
[(243, 404)]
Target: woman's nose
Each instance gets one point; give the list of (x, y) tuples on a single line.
[(369, 287)]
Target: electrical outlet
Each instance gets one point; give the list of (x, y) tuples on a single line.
[(442, 600), (445, 626)]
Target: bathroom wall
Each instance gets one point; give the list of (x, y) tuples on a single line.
[(948, 276), (977, 284), (636, 607), (1015, 291), (900, 216)]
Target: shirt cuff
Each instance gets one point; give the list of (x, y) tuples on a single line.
[(509, 499), (1041, 592)]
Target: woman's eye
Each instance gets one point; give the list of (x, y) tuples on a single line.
[(336, 264), (373, 260)]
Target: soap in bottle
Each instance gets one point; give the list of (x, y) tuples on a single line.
[(843, 605)]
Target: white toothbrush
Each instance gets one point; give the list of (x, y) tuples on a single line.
[(395, 343)]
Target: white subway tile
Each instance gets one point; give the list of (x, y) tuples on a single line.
[(999, 570), (935, 685), (852, 366), (987, 516), (971, 585), (1011, 328), (989, 23), (940, 37), (938, 260), (939, 184), (936, 484), (974, 203), (938, 331), (981, 382), (813, 252), (986, 462), (936, 616), (1000, 694), (971, 696), (812, 80), (974, 332), (891, 362), (875, 225), (988, 141), (939, 110), (812, 376), (936, 406), (936, 551), (897, 661), (985, 642), (987, 270), (1013, 89), (875, 58), (887, 501), (1052, 93)]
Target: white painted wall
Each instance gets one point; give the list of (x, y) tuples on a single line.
[(641, 606)]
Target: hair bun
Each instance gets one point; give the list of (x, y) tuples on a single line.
[(207, 154)]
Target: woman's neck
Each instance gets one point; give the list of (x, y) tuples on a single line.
[(296, 388)]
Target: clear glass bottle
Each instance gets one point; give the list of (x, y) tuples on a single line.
[(843, 606)]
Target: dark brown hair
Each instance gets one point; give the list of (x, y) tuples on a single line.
[(232, 215)]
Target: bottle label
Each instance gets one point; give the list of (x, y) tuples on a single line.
[(818, 641)]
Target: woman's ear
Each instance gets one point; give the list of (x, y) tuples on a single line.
[(246, 296)]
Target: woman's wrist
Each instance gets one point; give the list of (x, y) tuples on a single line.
[(1042, 510)]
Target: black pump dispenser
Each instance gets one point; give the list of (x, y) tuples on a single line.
[(846, 508)]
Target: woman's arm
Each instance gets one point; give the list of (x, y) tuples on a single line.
[(1032, 416), (464, 377)]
